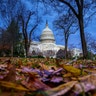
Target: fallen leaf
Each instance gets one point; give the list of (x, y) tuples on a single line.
[(67, 75), (56, 79), (43, 66), (13, 86), (74, 71), (33, 83), (62, 89), (85, 84), (11, 76)]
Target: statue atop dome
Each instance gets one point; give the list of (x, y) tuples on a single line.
[(46, 23)]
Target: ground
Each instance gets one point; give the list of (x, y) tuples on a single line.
[(47, 77)]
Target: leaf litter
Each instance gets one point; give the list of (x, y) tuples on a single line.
[(44, 77)]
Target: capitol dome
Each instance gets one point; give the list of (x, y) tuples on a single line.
[(47, 35)]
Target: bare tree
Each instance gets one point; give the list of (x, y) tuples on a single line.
[(93, 45), (26, 17), (91, 42), (79, 8), (29, 22), (68, 25), (8, 10)]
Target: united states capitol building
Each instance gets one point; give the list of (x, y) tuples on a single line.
[(47, 46)]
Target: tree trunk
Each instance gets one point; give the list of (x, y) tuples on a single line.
[(26, 47), (79, 16), (82, 35), (66, 43), (12, 49)]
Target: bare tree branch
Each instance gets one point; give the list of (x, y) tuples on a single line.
[(68, 4)]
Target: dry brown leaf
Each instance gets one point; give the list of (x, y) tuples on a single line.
[(85, 84), (11, 76), (20, 62), (62, 89), (33, 75), (35, 84), (29, 63), (90, 71), (43, 66)]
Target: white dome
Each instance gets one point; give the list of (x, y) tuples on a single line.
[(47, 35)]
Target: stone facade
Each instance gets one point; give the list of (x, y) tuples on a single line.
[(47, 45)]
